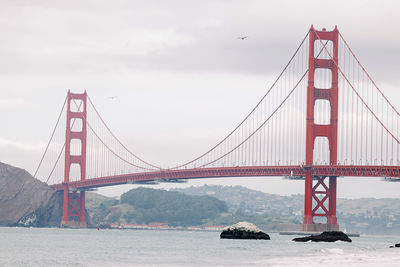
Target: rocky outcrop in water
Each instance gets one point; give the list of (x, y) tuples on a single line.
[(26, 201), (243, 230), (329, 236)]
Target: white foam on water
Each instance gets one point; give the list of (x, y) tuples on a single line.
[(333, 251), (89, 247), (338, 257)]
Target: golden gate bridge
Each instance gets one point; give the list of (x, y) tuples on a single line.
[(323, 117)]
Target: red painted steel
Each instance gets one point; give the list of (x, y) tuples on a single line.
[(314, 130), (200, 173), (74, 202), (320, 180)]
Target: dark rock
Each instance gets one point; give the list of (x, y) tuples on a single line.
[(26, 201), (329, 236), (243, 230), (397, 245), (237, 234)]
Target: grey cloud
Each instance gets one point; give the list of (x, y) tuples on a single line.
[(58, 37), (172, 63)]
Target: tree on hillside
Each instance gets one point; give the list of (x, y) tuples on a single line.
[(175, 208)]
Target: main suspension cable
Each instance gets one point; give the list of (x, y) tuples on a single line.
[(51, 138), (105, 145), (62, 149), (369, 77), (116, 138), (265, 121), (356, 92), (251, 112)]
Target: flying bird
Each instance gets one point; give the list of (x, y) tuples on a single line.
[(242, 37)]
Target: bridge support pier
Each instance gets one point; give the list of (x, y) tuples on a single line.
[(320, 201), (73, 209), (74, 201), (320, 197)]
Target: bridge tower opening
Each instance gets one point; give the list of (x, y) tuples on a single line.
[(320, 194), (74, 201)]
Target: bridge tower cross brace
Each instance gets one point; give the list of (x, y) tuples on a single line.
[(74, 201), (320, 193)]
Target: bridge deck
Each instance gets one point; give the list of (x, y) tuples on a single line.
[(198, 173)]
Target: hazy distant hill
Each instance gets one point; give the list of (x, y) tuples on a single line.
[(368, 215), (251, 202), (370, 206), (268, 211), (143, 205)]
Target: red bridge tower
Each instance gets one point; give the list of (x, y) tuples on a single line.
[(74, 201), (320, 198)]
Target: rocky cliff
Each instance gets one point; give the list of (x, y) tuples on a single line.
[(26, 201)]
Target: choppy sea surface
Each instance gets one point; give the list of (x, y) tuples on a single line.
[(90, 247)]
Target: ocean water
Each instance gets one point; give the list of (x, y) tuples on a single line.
[(90, 247)]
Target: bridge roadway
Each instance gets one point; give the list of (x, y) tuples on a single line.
[(199, 173)]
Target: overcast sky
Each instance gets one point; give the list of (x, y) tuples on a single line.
[(182, 77)]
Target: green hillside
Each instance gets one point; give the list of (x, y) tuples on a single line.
[(145, 205), (224, 205), (365, 215)]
